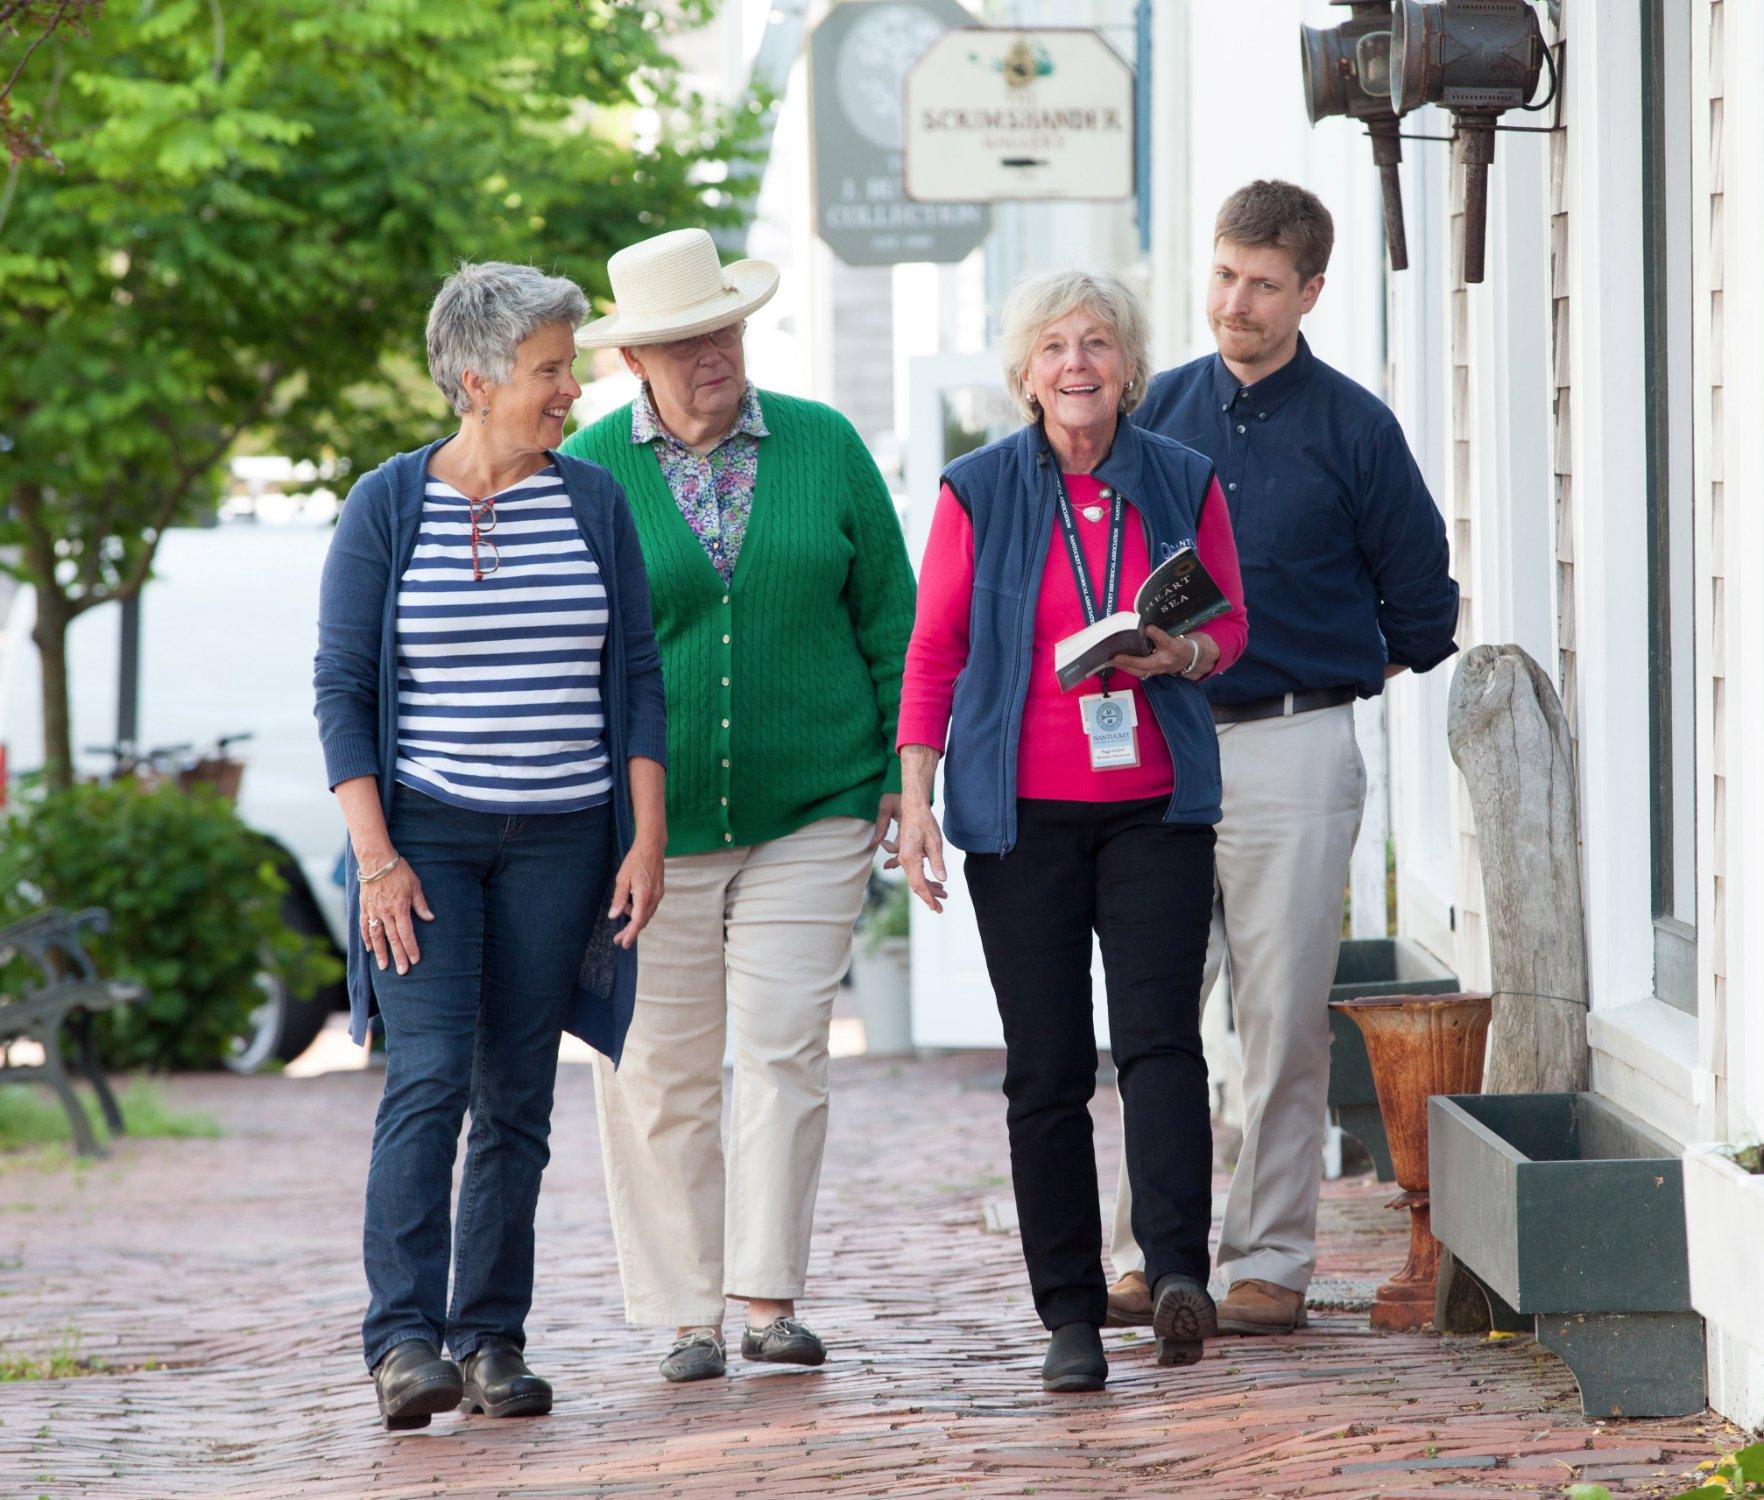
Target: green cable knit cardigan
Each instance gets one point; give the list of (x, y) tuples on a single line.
[(783, 687)]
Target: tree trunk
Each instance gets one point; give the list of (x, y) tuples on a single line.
[(1510, 739), (50, 635)]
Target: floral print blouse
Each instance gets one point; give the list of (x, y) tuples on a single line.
[(713, 490)]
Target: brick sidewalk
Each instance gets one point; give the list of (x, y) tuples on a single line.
[(231, 1265)]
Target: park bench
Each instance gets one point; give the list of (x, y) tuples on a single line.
[(57, 989)]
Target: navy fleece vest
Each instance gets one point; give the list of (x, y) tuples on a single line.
[(1010, 489)]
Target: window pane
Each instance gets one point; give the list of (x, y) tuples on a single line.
[(1665, 26)]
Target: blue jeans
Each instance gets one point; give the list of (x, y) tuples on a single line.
[(475, 1022)]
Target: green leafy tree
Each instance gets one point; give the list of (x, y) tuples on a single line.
[(258, 201), (27, 27)]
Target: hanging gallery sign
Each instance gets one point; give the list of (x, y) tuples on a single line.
[(995, 114)]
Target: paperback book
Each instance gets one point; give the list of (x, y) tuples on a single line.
[(1178, 595)]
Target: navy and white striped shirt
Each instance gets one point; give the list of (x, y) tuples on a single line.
[(499, 679)]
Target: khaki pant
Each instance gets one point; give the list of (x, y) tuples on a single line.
[(1294, 789), (759, 936)]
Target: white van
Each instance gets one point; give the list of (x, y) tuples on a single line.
[(228, 628)]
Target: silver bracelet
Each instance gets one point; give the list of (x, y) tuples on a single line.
[(1193, 661), (381, 873)]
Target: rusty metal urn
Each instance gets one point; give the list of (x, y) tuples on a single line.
[(1418, 1045)]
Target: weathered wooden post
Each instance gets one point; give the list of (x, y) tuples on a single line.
[(1509, 736)]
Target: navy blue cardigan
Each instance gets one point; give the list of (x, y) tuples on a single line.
[(355, 679)]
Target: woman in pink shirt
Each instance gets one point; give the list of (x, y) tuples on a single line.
[(1082, 812)]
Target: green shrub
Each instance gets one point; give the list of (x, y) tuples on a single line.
[(195, 910)]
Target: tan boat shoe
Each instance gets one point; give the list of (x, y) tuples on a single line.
[(1253, 1306), (1130, 1303)]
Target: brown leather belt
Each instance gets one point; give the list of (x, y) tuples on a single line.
[(1281, 706)]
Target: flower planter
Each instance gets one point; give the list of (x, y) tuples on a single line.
[(1372, 966), (1568, 1212), (882, 985), (1724, 1237), (1418, 1045)]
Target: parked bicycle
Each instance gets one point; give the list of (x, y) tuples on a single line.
[(153, 765)]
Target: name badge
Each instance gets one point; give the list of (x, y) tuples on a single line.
[(1111, 722)]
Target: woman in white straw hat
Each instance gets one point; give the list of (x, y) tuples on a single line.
[(783, 600)]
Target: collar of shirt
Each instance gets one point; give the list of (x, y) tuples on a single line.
[(646, 426), (1269, 393)]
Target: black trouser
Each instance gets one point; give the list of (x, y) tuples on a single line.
[(1146, 888)]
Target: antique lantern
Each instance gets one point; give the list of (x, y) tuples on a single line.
[(1347, 72), (1478, 58)]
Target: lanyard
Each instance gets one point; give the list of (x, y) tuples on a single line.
[(1081, 569)]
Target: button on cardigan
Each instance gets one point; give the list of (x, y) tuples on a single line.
[(783, 684)]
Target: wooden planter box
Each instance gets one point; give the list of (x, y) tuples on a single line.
[(1724, 1225), (1569, 1215), (1372, 966)]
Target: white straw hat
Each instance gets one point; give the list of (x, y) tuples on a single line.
[(672, 287)]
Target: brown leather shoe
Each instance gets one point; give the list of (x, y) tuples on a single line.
[(1130, 1302), (1253, 1306)]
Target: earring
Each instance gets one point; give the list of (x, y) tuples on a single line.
[(484, 414)]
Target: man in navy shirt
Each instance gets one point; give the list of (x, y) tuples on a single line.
[(1345, 579)]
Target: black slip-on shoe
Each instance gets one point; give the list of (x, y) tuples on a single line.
[(413, 1382), (695, 1356), (783, 1341), (1183, 1318), (1075, 1359), (499, 1384)]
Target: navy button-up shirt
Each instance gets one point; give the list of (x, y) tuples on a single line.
[(1343, 551)]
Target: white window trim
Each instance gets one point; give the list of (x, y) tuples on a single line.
[(1645, 1054), (1678, 365), (1645, 1058)]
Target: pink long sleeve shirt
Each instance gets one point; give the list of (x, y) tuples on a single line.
[(1053, 755)]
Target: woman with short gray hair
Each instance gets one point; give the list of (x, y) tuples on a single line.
[(1083, 813), (489, 699)]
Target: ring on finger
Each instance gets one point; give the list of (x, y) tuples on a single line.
[(374, 924)]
